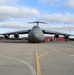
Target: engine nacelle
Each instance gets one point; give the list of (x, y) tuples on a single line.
[(56, 36), (6, 36), (16, 35), (66, 37)]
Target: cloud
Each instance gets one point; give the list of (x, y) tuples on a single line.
[(59, 22), (69, 3), (59, 3), (59, 18), (60, 28), (48, 1), (17, 12), (28, 12), (8, 1), (56, 21), (69, 28), (15, 25), (22, 26), (4, 18)]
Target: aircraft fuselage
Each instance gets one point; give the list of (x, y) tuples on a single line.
[(35, 35)]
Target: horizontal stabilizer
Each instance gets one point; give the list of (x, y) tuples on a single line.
[(38, 22)]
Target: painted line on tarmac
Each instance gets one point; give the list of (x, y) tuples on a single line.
[(33, 72), (38, 69), (43, 54), (72, 55)]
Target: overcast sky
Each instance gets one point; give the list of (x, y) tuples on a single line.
[(15, 14)]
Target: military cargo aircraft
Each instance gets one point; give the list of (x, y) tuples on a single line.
[(36, 34)]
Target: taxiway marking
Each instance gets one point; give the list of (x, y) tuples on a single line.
[(72, 55), (33, 72), (38, 70), (43, 54)]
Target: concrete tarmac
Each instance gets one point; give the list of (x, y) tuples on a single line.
[(49, 58)]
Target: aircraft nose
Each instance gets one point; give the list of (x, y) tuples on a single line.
[(36, 35)]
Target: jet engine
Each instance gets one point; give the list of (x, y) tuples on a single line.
[(16, 35), (6, 36), (66, 37), (56, 36)]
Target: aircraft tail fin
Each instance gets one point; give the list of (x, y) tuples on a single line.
[(38, 22)]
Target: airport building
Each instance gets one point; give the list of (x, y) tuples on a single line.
[(51, 38), (61, 38)]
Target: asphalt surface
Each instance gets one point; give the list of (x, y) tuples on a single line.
[(50, 58)]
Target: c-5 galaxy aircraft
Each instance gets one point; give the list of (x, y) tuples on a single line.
[(36, 35)]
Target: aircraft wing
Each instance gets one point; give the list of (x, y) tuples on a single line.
[(18, 32), (54, 32)]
